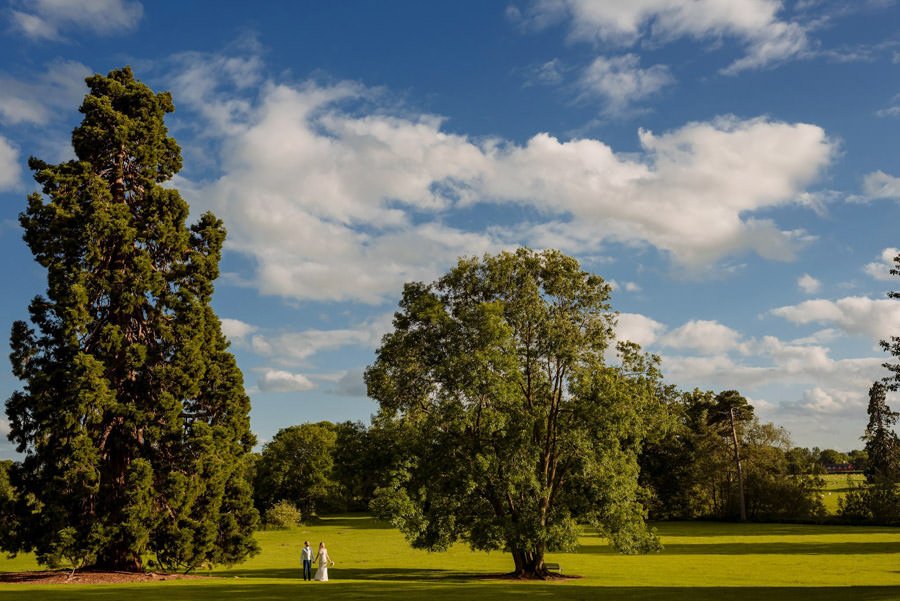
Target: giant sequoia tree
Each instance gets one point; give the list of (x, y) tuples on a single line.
[(133, 418), (513, 429)]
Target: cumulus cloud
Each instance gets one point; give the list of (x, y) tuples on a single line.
[(350, 383), (881, 269), (47, 19), (771, 361), (704, 336), (274, 380), (236, 330), (9, 164), (295, 348), (337, 198), (767, 38), (855, 315), (878, 184), (638, 328), (619, 82), (833, 402), (808, 284), (44, 97)]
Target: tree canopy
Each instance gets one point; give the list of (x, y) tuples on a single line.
[(132, 418), (513, 426)]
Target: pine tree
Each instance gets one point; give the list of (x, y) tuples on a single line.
[(133, 417)]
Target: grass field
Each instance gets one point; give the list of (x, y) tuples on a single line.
[(702, 561), (836, 485)]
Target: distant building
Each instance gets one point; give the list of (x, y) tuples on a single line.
[(841, 468)]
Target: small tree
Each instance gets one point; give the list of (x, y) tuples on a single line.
[(513, 428)]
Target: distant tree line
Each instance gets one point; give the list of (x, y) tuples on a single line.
[(689, 472)]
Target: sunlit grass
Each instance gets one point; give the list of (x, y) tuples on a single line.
[(836, 486), (703, 560)]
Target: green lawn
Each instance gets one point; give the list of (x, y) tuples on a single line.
[(836, 485), (702, 561)]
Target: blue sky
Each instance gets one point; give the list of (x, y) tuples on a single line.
[(731, 165)]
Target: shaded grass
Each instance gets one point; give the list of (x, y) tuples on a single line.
[(702, 561)]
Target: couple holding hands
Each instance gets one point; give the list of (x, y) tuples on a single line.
[(306, 554)]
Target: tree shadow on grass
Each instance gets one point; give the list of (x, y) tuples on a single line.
[(700, 529), (360, 521), (368, 574), (836, 548), (219, 589)]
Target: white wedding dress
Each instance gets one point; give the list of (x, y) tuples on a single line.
[(322, 572)]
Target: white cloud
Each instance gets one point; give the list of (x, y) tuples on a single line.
[(894, 109), (236, 330), (351, 383), (878, 319), (632, 287), (771, 362), (283, 381), (881, 270), (831, 402), (767, 38), (46, 19), (879, 184), (295, 348), (620, 82), (4, 426), (808, 284), (9, 165), (638, 328), (45, 97), (704, 336), (547, 73), (341, 204)]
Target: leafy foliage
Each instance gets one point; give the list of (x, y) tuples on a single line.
[(511, 425), (283, 514), (133, 418), (296, 466), (691, 471)]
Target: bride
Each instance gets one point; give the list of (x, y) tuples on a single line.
[(324, 563)]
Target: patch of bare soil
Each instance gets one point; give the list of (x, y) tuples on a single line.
[(513, 576), (88, 577)]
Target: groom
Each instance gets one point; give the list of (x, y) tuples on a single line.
[(306, 554)]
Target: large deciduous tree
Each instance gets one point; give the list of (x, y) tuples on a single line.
[(133, 417), (513, 427)]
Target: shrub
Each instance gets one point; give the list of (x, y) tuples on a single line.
[(283, 514)]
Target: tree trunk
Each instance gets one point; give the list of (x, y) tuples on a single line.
[(529, 563), (119, 558), (740, 471)]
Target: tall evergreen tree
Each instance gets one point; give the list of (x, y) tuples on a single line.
[(133, 417), (882, 443)]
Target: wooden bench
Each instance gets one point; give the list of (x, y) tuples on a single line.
[(553, 567)]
